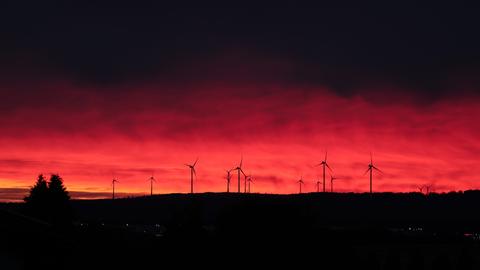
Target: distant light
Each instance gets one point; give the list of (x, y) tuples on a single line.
[(126, 224)]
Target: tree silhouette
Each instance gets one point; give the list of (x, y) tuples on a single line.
[(59, 208), (37, 200), (58, 194), (49, 200), (39, 192)]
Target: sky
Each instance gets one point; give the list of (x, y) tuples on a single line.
[(129, 89)]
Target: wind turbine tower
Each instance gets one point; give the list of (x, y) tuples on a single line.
[(113, 187), (239, 170), (192, 172), (318, 185), (324, 164), (370, 169), (151, 179), (249, 179), (229, 178), (331, 182), (300, 183)]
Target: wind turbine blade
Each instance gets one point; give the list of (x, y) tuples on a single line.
[(328, 166), (195, 162), (367, 171), (241, 162), (377, 169), (186, 164), (371, 158), (325, 156), (319, 164), (194, 172)]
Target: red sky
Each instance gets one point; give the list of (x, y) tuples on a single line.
[(89, 134), (95, 91)]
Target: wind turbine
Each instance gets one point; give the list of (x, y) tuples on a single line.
[(113, 187), (239, 169), (324, 164), (427, 189), (249, 179), (229, 177), (318, 185), (192, 172), (370, 169), (332, 178), (300, 183), (151, 179), (245, 180)]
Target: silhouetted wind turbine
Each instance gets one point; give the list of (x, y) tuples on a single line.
[(192, 172), (151, 179), (113, 187), (331, 182), (249, 179), (427, 189), (371, 167), (245, 180), (239, 169), (229, 177), (318, 185), (324, 164), (300, 183)]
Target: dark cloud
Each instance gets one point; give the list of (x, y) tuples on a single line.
[(13, 194), (348, 48)]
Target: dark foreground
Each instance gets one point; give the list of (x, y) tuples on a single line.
[(315, 231)]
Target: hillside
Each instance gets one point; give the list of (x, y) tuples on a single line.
[(379, 231)]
